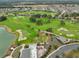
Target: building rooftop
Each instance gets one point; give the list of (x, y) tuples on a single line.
[(26, 53), (30, 52)]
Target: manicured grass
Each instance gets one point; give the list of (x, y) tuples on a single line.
[(30, 30)]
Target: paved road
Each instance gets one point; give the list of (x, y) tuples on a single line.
[(62, 49)]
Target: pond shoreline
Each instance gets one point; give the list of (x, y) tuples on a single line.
[(6, 28)]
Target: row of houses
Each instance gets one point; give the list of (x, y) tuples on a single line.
[(53, 7), (13, 9)]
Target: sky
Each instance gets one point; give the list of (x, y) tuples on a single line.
[(39, 0), (36, 0)]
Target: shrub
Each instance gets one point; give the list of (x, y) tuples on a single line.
[(49, 30)]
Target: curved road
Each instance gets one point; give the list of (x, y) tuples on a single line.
[(62, 49)]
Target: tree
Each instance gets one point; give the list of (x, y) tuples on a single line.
[(49, 16), (55, 46), (62, 22), (44, 15), (37, 15), (39, 22), (49, 30), (74, 14), (33, 19), (3, 18), (26, 46)]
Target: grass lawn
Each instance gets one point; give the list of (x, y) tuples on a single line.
[(30, 29)]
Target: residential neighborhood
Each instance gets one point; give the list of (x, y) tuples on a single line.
[(39, 29)]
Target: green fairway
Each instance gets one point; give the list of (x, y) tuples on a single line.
[(30, 30)]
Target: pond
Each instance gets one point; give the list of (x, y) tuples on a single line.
[(6, 39)]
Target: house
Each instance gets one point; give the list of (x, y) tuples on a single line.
[(30, 52), (26, 53)]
